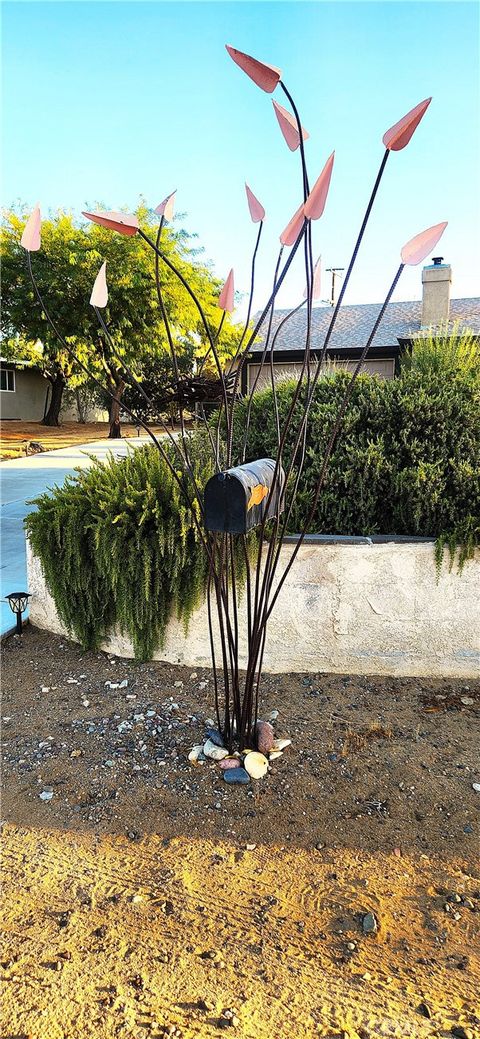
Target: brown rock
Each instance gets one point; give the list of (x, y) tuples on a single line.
[(265, 737)]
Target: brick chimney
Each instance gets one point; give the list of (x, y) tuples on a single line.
[(436, 281)]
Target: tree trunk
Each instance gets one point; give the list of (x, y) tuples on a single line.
[(52, 416), (114, 411), (81, 407)]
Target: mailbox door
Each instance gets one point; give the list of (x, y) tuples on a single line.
[(225, 510)]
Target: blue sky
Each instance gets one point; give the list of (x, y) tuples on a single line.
[(107, 101)]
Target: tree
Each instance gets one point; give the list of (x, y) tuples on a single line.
[(65, 268)]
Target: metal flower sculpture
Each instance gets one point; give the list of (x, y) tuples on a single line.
[(250, 497)]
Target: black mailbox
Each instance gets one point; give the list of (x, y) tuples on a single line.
[(236, 500)]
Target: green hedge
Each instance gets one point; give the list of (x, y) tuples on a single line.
[(408, 461)]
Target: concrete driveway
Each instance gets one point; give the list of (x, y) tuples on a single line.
[(22, 479)]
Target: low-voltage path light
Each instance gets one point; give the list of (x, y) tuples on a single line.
[(18, 602)]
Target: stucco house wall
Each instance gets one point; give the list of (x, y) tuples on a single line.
[(385, 369), (27, 401)]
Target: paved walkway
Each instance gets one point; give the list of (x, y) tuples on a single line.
[(22, 479)]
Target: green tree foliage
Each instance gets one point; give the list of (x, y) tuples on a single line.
[(66, 267), (118, 547), (408, 458)]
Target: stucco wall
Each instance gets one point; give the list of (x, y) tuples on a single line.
[(358, 609), (384, 368), (28, 400)]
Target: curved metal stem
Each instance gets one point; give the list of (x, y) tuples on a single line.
[(333, 438)]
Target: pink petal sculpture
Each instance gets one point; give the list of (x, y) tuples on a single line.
[(30, 239), (288, 126), (99, 297), (317, 198), (293, 228), (398, 136), (257, 211), (225, 299), (124, 223), (317, 274), (265, 76), (167, 207), (418, 248)]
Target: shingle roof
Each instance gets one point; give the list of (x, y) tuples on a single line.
[(354, 324)]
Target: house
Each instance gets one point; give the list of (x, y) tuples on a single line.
[(25, 394), (401, 323), (23, 391)]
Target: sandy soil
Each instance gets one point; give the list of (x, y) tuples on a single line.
[(147, 898), (14, 436)]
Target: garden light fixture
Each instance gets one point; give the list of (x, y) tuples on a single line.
[(18, 602)]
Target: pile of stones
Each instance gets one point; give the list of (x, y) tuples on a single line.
[(241, 766)]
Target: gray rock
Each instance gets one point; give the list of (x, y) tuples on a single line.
[(212, 751), (236, 775), (46, 795), (369, 924), (424, 1009), (462, 1033)]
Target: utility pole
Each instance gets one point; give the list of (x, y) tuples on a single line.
[(334, 271)]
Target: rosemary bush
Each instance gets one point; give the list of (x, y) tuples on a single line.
[(118, 548)]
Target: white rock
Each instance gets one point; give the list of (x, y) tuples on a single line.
[(216, 753), (281, 744), (178, 685), (275, 754), (476, 786), (273, 716), (45, 689), (86, 703), (256, 764), (72, 681), (46, 795), (123, 684), (124, 726), (193, 675), (195, 753)]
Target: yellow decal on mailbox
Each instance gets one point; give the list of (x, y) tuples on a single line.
[(258, 494)]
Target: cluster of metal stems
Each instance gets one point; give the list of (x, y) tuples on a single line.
[(237, 703)]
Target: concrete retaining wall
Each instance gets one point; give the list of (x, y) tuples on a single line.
[(345, 608)]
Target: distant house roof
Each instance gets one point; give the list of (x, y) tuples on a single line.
[(354, 324), (18, 363)]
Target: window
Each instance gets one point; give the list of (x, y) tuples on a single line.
[(7, 380)]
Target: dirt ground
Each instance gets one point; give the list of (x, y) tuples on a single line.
[(14, 436), (143, 897)]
